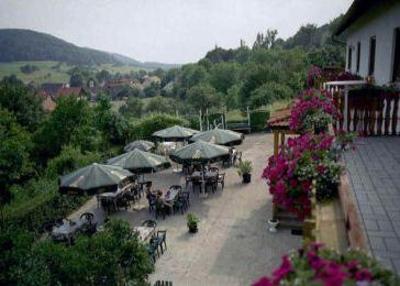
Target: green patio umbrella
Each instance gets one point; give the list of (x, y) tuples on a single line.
[(199, 152), (93, 177), (175, 133), (139, 144), (139, 161), (219, 136)]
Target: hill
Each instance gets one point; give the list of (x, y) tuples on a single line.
[(18, 45)]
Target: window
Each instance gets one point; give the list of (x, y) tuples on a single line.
[(358, 57), (396, 62), (349, 58), (372, 50)]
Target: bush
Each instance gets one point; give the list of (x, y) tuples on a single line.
[(38, 202), (70, 159), (144, 128), (111, 257), (258, 120)]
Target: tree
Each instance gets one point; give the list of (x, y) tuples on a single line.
[(223, 76), (71, 123), (268, 93), (132, 108), (202, 97), (153, 89), (159, 104), (23, 103), (111, 257), (103, 76), (15, 147), (76, 80)]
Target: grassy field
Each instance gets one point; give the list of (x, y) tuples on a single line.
[(237, 115), (51, 71)]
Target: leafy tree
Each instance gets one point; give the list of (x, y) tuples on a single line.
[(70, 123), (159, 104), (76, 80), (128, 91), (132, 108), (14, 150), (152, 90), (103, 76), (223, 76), (268, 93), (24, 104), (70, 159), (145, 127), (203, 96)]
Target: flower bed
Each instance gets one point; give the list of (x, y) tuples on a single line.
[(315, 265), (313, 109), (290, 175)]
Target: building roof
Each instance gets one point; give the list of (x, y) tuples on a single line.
[(356, 10), (279, 119), (69, 91), (51, 88)]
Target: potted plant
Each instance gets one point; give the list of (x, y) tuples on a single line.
[(192, 221), (272, 224), (244, 170)]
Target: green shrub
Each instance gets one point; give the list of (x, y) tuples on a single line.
[(258, 120), (111, 257), (145, 127), (70, 159), (38, 202)]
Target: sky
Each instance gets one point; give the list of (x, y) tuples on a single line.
[(168, 31)]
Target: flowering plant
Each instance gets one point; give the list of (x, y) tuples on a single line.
[(316, 265), (313, 109), (306, 158)]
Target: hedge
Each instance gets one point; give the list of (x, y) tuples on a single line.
[(258, 119)]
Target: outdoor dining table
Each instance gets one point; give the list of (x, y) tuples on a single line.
[(169, 195), (144, 232), (198, 174), (67, 230)]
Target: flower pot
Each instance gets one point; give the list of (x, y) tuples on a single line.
[(246, 178), (272, 225), (193, 228)]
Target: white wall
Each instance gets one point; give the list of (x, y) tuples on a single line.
[(380, 23)]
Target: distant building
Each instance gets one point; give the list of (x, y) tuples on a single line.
[(372, 32)]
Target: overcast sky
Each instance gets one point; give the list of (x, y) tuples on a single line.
[(170, 31)]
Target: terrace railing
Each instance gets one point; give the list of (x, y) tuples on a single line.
[(340, 91), (366, 110)]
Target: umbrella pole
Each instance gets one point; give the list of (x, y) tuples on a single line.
[(203, 183)]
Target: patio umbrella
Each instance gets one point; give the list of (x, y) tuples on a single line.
[(139, 161), (139, 144), (219, 136), (200, 152), (94, 176), (175, 133)]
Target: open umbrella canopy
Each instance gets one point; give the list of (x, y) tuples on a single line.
[(139, 144), (175, 133), (94, 176), (139, 161), (219, 136), (200, 152)]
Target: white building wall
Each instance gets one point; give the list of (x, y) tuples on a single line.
[(382, 26)]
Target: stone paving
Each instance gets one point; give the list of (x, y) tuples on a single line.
[(233, 246), (374, 173)]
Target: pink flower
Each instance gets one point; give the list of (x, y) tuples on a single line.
[(364, 275), (264, 281)]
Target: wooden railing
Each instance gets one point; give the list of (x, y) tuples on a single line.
[(340, 91), (367, 110)]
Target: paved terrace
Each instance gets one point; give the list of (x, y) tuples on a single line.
[(233, 246), (374, 173)]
